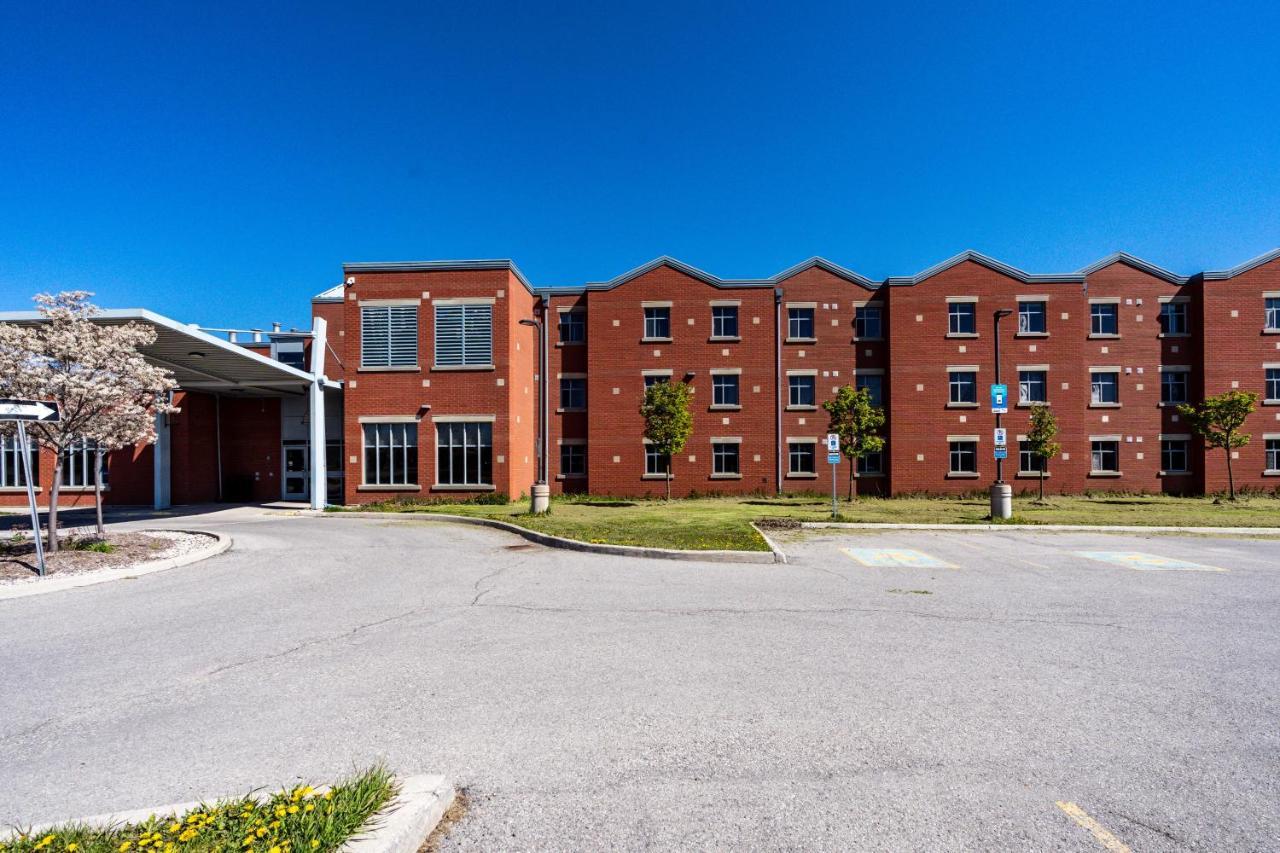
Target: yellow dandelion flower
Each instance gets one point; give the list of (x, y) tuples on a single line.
[(125, 846), (328, 795), (260, 831), (314, 843), (275, 849), (293, 809), (309, 807), (72, 847)]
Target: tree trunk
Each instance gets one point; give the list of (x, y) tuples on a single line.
[(853, 478), (668, 478), (52, 547), (98, 459), (1041, 479), (1231, 480)]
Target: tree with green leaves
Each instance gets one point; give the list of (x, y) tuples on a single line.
[(1218, 420), (857, 421), (1042, 435), (668, 423)]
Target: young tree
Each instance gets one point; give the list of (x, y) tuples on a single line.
[(858, 423), (1218, 420), (107, 392), (667, 420), (1041, 435)]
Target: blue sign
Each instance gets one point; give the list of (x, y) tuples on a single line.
[(1000, 399), (1002, 452), (833, 458)]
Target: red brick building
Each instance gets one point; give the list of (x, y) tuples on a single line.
[(432, 379)]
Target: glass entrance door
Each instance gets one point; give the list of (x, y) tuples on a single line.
[(297, 471)]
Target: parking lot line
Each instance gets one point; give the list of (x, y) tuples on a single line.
[(1143, 562), (1106, 839), (895, 558)]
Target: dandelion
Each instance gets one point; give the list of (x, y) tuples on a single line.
[(275, 849), (125, 846), (315, 843), (71, 848), (309, 807), (293, 809)]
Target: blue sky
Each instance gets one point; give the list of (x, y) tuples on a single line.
[(218, 162)]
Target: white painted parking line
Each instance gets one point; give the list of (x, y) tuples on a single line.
[(1105, 838), (1146, 562), (895, 558)]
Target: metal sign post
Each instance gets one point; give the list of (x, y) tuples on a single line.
[(833, 459), (22, 411)]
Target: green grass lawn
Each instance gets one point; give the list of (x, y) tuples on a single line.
[(722, 523)]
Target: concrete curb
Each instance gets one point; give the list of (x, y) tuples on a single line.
[(40, 586), (401, 827), (779, 556), (771, 556), (1047, 528)]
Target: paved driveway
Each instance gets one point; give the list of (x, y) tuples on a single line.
[(856, 698)]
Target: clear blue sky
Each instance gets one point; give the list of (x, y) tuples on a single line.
[(218, 163)]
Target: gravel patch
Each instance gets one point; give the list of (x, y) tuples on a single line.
[(132, 549)]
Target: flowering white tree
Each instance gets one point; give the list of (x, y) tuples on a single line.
[(108, 393)]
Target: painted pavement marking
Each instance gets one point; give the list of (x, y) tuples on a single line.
[(1146, 562), (1106, 839), (896, 558)]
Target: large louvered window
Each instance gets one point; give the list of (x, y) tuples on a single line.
[(464, 335), (389, 336)]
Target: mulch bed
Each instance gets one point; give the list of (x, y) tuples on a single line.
[(18, 556)]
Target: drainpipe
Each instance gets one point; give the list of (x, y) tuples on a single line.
[(777, 382)]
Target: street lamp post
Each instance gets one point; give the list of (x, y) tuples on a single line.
[(1001, 492), (540, 492)]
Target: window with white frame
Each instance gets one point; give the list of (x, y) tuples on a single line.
[(724, 458), (1104, 318), (12, 473), (724, 389), (1272, 445), (390, 454), (657, 322), (464, 335), (1173, 387), (1104, 456), (1104, 388), (963, 456), (464, 453), (1031, 318), (655, 463), (802, 457), (573, 460), (1271, 313), (573, 393), (801, 393), (963, 385), (1174, 318), (874, 383), (724, 321), (388, 336), (962, 318), (573, 327), (1272, 378), (651, 379), (870, 464), (1029, 461), (800, 323), (77, 464), (1033, 386), (867, 322), (1175, 455)]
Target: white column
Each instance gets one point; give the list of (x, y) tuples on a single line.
[(319, 480), (160, 467)]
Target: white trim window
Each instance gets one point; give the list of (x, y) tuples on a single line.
[(1175, 455), (1033, 386), (867, 323), (572, 327), (724, 322), (963, 455), (1104, 319), (573, 460), (657, 323), (874, 383), (1272, 447), (1271, 313), (800, 324), (77, 464), (1174, 318), (1173, 387), (1031, 318), (1272, 384), (388, 336), (802, 391), (802, 457), (464, 453), (390, 454), (963, 385), (464, 335), (724, 389), (871, 464), (1104, 388), (1029, 461), (12, 473), (573, 393), (655, 463), (1104, 456), (725, 459), (962, 318)]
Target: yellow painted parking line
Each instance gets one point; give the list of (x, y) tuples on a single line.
[(1106, 839), (905, 558)]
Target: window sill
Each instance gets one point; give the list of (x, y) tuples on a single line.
[(733, 339), (801, 340), (962, 405), (463, 487), (726, 476), (1105, 474), (402, 487), (571, 410), (1104, 405), (963, 475), (656, 477), (1101, 336), (1271, 402), (407, 368), (655, 340), (1169, 405), (1027, 404), (14, 490), (1032, 475), (571, 343), (1031, 334), (571, 476), (802, 408), (1266, 331), (1175, 473), (451, 368), (868, 476), (962, 334), (868, 340), (1174, 335), (802, 475), (1271, 473), (725, 407), (76, 490)]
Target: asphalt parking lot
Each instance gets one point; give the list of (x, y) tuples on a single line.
[(891, 691)]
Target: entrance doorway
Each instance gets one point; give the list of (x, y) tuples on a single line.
[(297, 471)]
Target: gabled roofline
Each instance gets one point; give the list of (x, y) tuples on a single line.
[(440, 266), (679, 266), (1264, 258), (1138, 264), (333, 294), (990, 263), (824, 264)]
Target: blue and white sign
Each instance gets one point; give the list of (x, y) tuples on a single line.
[(833, 442), (1000, 436), (999, 399), (1002, 452), (833, 458)]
